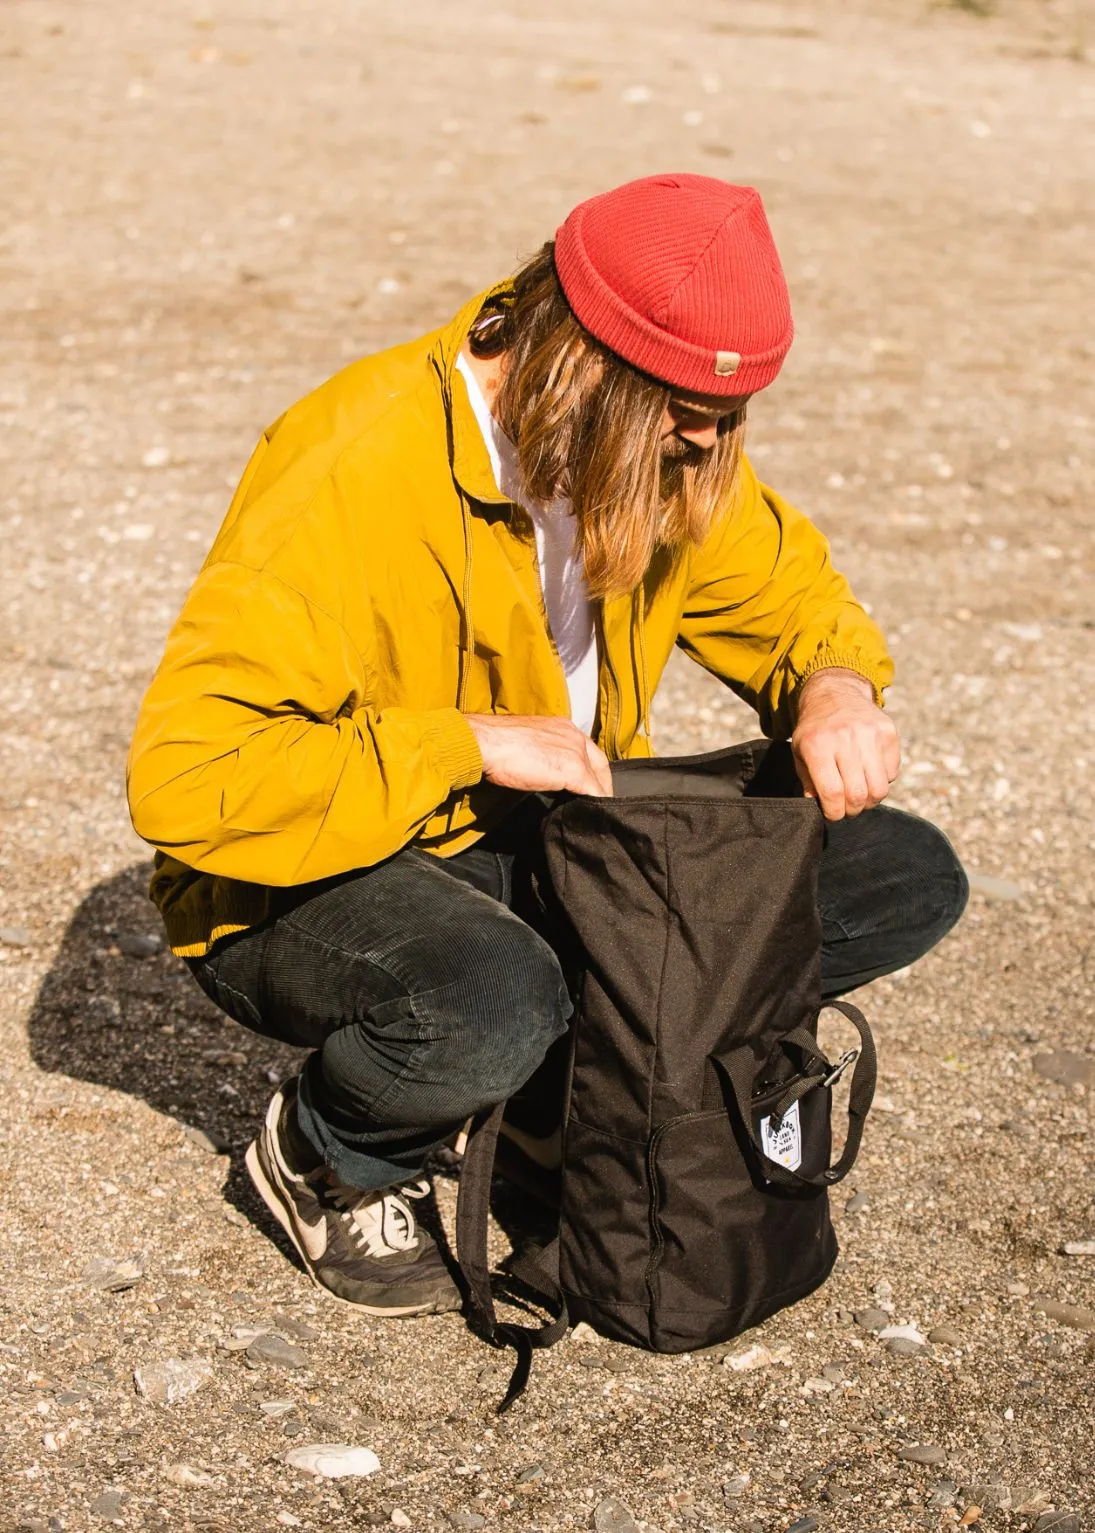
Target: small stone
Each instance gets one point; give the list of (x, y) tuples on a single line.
[(109, 1505), (14, 936), (334, 1428), (834, 1373), (399, 1518), (922, 1453), (804, 1525), (1030, 1502), (333, 1461), (583, 1335), (818, 1386), (1078, 1248), (1019, 1290), (277, 1408), (612, 1516), (110, 1275), (943, 1494), (991, 1494), (292, 1427), (175, 1379), (1078, 1316), (902, 1333), (871, 1319), (904, 1346), (287, 1520), (971, 1515), (1065, 1067), (994, 889), (466, 1521), (757, 1356), (298, 1328), (192, 1479), (530, 1475), (1057, 1522), (156, 457), (883, 1290), (734, 1489), (140, 944), (858, 1203), (32, 1525), (275, 1350), (103, 1011), (207, 1139), (945, 1336)]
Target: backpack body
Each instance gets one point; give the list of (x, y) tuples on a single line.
[(692, 896), (696, 1116)]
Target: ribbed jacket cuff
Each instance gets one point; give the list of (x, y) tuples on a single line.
[(451, 742), (848, 660)]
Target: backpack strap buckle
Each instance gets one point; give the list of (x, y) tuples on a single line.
[(849, 1057)]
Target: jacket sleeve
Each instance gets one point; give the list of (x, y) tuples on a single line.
[(257, 753), (765, 608)]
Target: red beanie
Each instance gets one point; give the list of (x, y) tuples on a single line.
[(679, 276)]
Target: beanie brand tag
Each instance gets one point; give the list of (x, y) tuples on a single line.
[(727, 363)]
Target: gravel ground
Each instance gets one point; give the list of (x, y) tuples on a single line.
[(210, 207)]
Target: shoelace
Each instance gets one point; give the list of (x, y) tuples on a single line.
[(380, 1223)]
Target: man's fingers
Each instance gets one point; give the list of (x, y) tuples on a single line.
[(600, 769), (849, 764), (891, 755), (878, 780), (825, 781)]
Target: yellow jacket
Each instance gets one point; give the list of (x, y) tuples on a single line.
[(370, 586)]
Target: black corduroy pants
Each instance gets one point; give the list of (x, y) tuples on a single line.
[(425, 996)]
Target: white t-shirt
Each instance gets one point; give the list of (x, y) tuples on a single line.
[(562, 578)]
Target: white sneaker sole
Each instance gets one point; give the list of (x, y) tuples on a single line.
[(271, 1196)]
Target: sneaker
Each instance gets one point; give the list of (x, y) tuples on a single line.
[(366, 1248)]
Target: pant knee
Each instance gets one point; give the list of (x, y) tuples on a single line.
[(439, 1054), (511, 1010), (938, 887)]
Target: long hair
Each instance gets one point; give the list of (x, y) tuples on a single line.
[(587, 425)]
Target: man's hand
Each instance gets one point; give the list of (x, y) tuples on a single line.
[(540, 755), (846, 749)]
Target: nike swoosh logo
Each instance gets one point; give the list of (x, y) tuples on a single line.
[(313, 1236)]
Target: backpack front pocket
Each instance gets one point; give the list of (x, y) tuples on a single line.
[(727, 1251)]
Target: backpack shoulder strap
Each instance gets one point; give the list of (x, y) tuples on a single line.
[(472, 1215)]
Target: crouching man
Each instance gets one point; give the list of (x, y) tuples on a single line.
[(450, 579)]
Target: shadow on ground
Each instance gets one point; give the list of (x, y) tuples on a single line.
[(118, 1009)]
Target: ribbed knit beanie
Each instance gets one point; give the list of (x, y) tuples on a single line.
[(679, 276)]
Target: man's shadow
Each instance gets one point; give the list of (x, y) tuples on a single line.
[(119, 1010)]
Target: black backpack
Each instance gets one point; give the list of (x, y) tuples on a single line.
[(696, 1116)]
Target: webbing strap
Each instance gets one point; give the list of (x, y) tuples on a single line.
[(472, 1214), (740, 1069)]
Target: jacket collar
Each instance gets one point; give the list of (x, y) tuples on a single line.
[(471, 465)]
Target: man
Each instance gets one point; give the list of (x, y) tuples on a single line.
[(446, 588)]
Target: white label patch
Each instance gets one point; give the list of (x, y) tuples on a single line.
[(783, 1144)]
